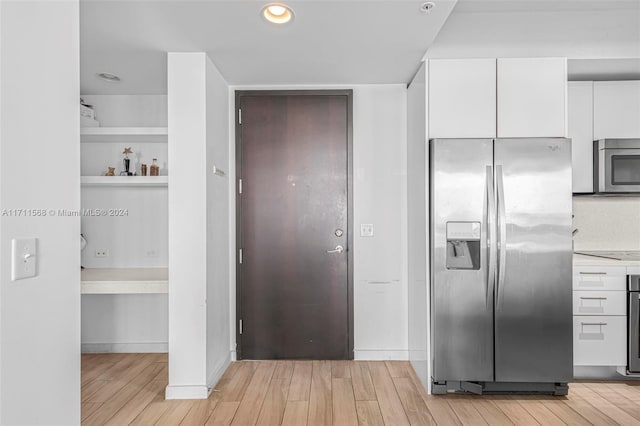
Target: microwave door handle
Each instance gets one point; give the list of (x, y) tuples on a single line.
[(491, 238), (502, 245)]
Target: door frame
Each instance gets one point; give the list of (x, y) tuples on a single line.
[(238, 142)]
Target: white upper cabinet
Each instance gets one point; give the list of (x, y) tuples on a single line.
[(616, 109), (462, 98), (532, 97), (581, 134)]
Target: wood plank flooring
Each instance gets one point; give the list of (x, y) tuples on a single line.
[(123, 389)]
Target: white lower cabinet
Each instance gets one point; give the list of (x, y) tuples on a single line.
[(600, 316), (599, 340)]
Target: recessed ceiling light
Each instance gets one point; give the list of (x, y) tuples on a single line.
[(112, 78), (277, 13)]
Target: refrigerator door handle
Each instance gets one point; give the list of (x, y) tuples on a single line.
[(502, 244), (491, 238)]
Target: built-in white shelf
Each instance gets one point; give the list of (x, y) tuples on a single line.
[(124, 180), (124, 281), (124, 134)]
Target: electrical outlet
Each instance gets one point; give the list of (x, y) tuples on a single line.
[(366, 229), (152, 253), (102, 252)]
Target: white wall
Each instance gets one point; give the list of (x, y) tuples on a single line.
[(125, 323), (218, 330), (2, 252), (187, 225), (606, 223), (417, 168), (40, 169), (137, 239), (198, 282), (129, 110), (380, 198)]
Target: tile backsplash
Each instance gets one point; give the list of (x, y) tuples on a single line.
[(606, 223)]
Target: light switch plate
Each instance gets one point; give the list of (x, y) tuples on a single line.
[(23, 258), (366, 229)]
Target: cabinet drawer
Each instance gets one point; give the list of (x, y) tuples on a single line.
[(600, 340), (600, 302), (600, 278)]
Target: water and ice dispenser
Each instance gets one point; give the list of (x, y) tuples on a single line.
[(463, 245)]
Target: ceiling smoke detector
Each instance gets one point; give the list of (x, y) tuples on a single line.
[(427, 7), (107, 76), (277, 13)]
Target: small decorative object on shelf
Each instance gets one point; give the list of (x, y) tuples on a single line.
[(143, 169), (127, 162), (111, 171), (87, 110), (155, 169), (87, 115)]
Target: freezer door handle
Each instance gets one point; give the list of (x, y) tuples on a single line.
[(491, 238), (502, 243)]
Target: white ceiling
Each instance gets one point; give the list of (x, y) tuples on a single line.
[(349, 41), (329, 42)]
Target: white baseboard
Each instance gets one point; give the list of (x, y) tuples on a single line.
[(380, 355), (218, 371), (129, 347), (596, 372), (186, 392)]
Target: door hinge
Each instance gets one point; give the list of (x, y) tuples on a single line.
[(239, 116), (240, 326), (240, 256), (239, 186)]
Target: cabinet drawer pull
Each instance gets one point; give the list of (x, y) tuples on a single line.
[(593, 273), (592, 298), (592, 335)]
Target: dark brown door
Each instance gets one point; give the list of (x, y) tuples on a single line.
[(294, 292)]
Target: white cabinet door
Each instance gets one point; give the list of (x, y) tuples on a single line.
[(462, 98), (532, 96), (581, 134), (600, 340), (616, 109)]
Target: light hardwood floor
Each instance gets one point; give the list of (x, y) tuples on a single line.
[(122, 389)]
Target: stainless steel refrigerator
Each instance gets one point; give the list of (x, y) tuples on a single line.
[(501, 262)]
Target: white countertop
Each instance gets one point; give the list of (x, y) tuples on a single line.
[(582, 260), (124, 281)]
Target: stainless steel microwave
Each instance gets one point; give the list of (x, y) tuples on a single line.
[(616, 166)]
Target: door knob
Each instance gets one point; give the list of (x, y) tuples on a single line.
[(338, 249)]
